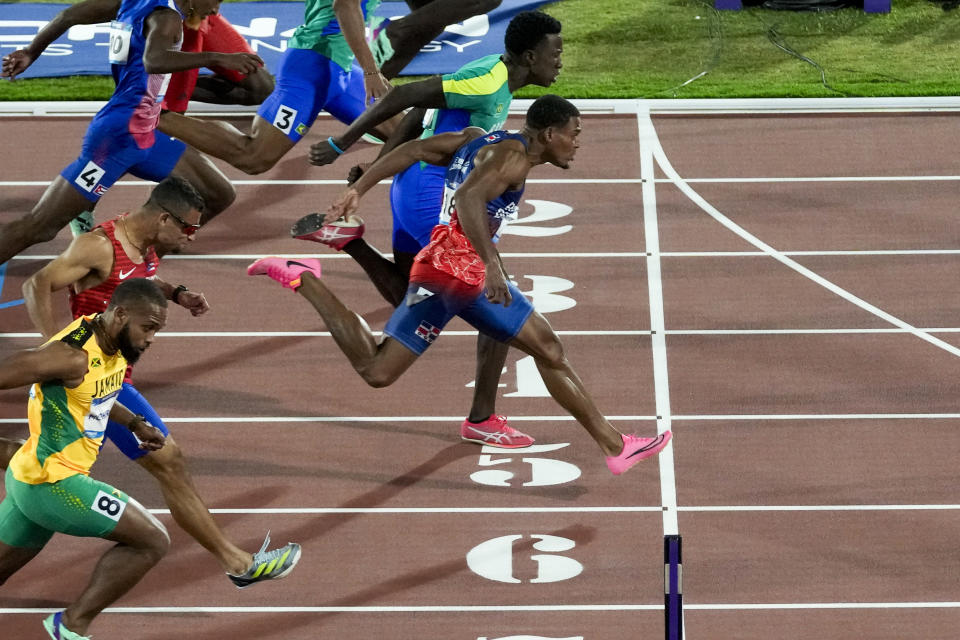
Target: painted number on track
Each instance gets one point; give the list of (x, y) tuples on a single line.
[(544, 472), (493, 559)]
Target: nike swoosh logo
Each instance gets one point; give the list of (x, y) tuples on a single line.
[(291, 263), (653, 444), (123, 275)]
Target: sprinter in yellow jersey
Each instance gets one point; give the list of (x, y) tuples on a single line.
[(75, 379)]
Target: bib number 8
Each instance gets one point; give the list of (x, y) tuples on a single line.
[(109, 506)]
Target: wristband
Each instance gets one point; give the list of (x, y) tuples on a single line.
[(334, 146), (175, 296)]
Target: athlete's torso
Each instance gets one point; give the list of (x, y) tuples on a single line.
[(449, 250), (321, 32), (138, 94), (95, 299), (477, 95), (501, 209), (67, 425)]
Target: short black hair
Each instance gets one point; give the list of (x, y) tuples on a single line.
[(136, 292), (550, 111), (527, 29), (177, 195)]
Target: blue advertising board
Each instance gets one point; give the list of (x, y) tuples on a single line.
[(266, 26)]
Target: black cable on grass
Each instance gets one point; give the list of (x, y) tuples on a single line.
[(777, 40), (716, 41)]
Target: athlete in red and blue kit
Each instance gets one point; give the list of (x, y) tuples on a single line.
[(144, 49), (460, 272)]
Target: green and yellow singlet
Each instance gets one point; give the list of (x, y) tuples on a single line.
[(321, 32), (67, 425)]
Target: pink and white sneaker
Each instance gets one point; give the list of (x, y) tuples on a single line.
[(336, 233), (636, 449), (494, 432), (286, 272)]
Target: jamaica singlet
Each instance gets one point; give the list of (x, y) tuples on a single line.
[(67, 425)]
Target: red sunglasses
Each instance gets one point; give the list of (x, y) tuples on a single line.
[(187, 228)]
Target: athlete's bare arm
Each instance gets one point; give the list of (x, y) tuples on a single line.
[(164, 28), (53, 361), (425, 93), (86, 263), (350, 18), (497, 168), (193, 301), (438, 150), (86, 12), (151, 438)]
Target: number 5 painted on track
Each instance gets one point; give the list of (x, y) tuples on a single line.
[(544, 472)]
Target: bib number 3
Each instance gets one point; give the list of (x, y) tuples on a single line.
[(119, 42)]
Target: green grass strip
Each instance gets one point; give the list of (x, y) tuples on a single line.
[(686, 49)]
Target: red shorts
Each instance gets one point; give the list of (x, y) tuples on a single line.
[(214, 34)]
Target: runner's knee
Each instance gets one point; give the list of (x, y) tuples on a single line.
[(167, 465), (217, 195), (255, 165), (551, 352), (377, 377)]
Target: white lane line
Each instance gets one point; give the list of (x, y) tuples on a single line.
[(613, 181), (563, 418), (340, 182), (536, 510), (714, 213), (506, 608), (661, 380), (824, 416), (851, 252), (825, 605), (325, 334), (416, 510), (368, 609), (822, 179), (571, 332), (607, 254), (275, 419)]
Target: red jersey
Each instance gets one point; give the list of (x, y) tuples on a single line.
[(96, 299)]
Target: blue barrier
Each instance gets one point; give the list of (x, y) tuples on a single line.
[(266, 26)]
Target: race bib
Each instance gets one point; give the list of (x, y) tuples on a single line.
[(96, 421), (448, 205), (90, 176), (119, 42), (108, 505), (284, 118)]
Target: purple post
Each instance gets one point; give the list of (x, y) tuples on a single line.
[(673, 587), (876, 6), (728, 4)]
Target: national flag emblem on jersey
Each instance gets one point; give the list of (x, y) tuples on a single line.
[(95, 362), (100, 189), (428, 332), (491, 138)]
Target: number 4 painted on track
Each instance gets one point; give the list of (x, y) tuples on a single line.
[(529, 382)]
